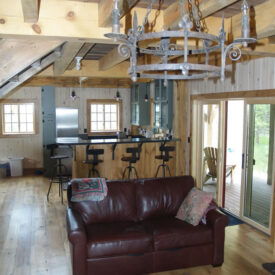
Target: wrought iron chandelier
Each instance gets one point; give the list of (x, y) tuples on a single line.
[(166, 69)]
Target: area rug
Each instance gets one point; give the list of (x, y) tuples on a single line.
[(231, 219), (269, 267)]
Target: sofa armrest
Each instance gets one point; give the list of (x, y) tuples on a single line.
[(78, 238), (217, 221)]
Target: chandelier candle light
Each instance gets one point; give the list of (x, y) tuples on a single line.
[(129, 46)]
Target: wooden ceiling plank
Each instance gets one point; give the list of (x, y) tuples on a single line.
[(81, 53), (105, 8), (70, 50), (171, 16), (30, 10)]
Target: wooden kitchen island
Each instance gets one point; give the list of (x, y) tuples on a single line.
[(114, 149)]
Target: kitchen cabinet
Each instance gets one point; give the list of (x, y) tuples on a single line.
[(140, 109), (163, 104)]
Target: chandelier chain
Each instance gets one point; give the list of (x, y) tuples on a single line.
[(195, 14)]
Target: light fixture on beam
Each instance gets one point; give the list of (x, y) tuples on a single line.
[(166, 70), (78, 62)]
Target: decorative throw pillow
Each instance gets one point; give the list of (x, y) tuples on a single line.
[(193, 206), (91, 189), (211, 206)]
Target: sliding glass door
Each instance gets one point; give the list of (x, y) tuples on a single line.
[(258, 164), (233, 156)]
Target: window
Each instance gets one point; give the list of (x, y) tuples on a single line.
[(18, 118), (104, 116)]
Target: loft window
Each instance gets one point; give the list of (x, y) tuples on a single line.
[(104, 116)]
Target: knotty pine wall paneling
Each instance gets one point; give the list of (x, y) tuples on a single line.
[(63, 99), (29, 147), (253, 75)]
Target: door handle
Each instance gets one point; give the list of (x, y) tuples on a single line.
[(242, 160), (254, 162)]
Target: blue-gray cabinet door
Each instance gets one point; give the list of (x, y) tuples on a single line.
[(48, 125)]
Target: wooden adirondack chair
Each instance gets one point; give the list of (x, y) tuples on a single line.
[(210, 158)]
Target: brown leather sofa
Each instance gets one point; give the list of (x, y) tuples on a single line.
[(134, 230)]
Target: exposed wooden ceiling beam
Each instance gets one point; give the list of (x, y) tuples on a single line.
[(262, 48), (207, 7), (110, 59), (29, 71), (81, 53), (58, 19), (70, 50), (30, 10), (16, 55), (89, 68), (105, 9), (62, 81)]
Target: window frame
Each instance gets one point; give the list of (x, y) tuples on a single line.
[(18, 102), (104, 102)]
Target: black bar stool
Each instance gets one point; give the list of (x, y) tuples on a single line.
[(164, 156), (94, 161), (59, 173), (135, 151)]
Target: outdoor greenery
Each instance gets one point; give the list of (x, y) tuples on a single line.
[(261, 142)]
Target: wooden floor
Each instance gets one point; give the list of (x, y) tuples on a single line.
[(33, 236)]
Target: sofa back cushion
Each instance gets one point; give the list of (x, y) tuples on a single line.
[(161, 197), (118, 205)]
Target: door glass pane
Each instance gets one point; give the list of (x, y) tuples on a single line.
[(260, 144), (234, 150), (210, 132)]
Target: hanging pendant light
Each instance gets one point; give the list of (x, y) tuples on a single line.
[(73, 95), (146, 98), (117, 95)]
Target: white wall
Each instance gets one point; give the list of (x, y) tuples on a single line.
[(31, 147), (257, 74)]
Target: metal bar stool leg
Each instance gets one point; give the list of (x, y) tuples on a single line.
[(163, 170), (123, 175), (157, 171), (135, 171), (168, 170), (51, 182), (130, 172)]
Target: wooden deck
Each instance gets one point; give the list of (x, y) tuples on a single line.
[(33, 237), (260, 201)]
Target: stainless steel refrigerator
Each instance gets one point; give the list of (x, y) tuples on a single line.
[(66, 126)]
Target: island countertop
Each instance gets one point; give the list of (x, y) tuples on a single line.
[(96, 141), (111, 165)]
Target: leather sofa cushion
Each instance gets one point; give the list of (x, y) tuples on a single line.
[(125, 238), (161, 197), (118, 205), (171, 233)]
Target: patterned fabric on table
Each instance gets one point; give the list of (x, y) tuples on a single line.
[(194, 206), (88, 189)]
